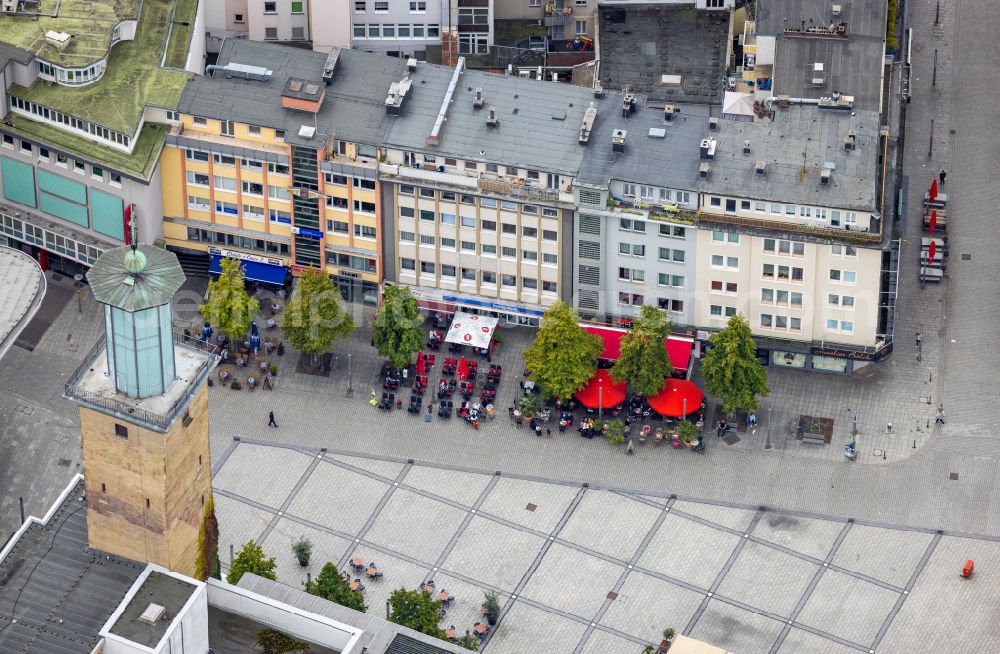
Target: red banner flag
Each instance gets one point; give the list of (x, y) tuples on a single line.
[(933, 194), (931, 252), (933, 224)]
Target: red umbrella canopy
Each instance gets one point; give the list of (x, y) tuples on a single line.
[(602, 392), (670, 401), (932, 252), (933, 191), (420, 365), (933, 224)]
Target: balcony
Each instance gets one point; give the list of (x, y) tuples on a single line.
[(512, 187), (873, 234)]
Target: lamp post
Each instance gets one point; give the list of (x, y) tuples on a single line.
[(350, 377), (600, 399)]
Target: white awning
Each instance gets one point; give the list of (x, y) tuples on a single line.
[(472, 330), (737, 106)]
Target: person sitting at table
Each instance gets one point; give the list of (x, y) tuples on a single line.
[(271, 323), (223, 375), (240, 361), (224, 354), (250, 382)]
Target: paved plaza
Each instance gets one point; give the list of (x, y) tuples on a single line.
[(598, 571)]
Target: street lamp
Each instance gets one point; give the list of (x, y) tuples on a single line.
[(600, 398)]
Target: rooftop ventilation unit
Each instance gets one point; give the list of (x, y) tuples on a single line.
[(835, 10), (598, 89), (746, 147), (713, 123), (669, 111), (435, 136), (588, 123), (330, 66), (307, 131), (58, 39), (152, 613), (491, 117), (837, 102), (397, 93), (703, 170), (760, 167), (242, 71), (618, 140), (411, 65), (524, 73), (824, 177), (851, 141), (628, 105), (477, 102), (707, 148), (818, 76)]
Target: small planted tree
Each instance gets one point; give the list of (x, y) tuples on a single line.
[(417, 610), (644, 362), (398, 331), (491, 605), (331, 586), (314, 316), (688, 431), (302, 549), (468, 641), (528, 405), (273, 641), (563, 356), (251, 559), (614, 431), (207, 564), (229, 307), (731, 370)]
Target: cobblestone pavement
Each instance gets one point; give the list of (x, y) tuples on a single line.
[(745, 579)]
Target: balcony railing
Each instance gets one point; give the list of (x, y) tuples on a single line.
[(521, 189), (872, 235)]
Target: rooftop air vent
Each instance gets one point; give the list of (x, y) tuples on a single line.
[(713, 123), (588, 123), (746, 147), (760, 168), (152, 613), (242, 71), (824, 177), (598, 89), (707, 148), (307, 131), (669, 111), (491, 117), (330, 66), (397, 93), (628, 105), (618, 140), (477, 102), (411, 65), (851, 141), (703, 170)]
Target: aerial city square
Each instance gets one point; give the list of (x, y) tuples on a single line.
[(509, 326)]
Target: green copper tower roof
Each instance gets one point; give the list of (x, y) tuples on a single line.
[(135, 280)]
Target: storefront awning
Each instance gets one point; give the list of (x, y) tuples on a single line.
[(472, 330), (679, 348), (253, 271), (601, 392), (679, 397)]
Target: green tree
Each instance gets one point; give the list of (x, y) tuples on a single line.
[(207, 565), (731, 370), (331, 586), (273, 641), (251, 559), (398, 332), (229, 307), (417, 610), (314, 316), (469, 641), (563, 356), (644, 362)]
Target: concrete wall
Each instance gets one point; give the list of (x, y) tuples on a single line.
[(196, 55), (330, 23), (397, 14)]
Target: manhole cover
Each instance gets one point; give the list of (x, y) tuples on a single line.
[(65, 462), (953, 476), (612, 595), (966, 256), (531, 507), (731, 439)]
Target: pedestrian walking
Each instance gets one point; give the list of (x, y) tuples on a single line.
[(941, 176), (939, 420), (270, 419), (752, 419), (920, 340)]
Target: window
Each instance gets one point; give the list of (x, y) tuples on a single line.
[(676, 281), (253, 130), (468, 221), (843, 276), (359, 6), (581, 26), (724, 287), (253, 188), (632, 249), (403, 31), (297, 7), (715, 202), (364, 231), (427, 193), (468, 246), (427, 215), (466, 199), (629, 225), (96, 172), (631, 274), (406, 212), (426, 267), (672, 231), (277, 192), (549, 235), (270, 7), (367, 184), (789, 209), (277, 169), (744, 205), (469, 274), (448, 219), (270, 33), (489, 225), (406, 237), (805, 212), (447, 243), (198, 203), (489, 278), (277, 216), (337, 226), (508, 253), (198, 178), (775, 209), (226, 208), (364, 207), (340, 180), (549, 287), (251, 164), (418, 7), (224, 159), (447, 271), (195, 155), (532, 174), (717, 311), (121, 431), (43, 153), (418, 31), (199, 121), (767, 295), (405, 189), (359, 31), (549, 259), (796, 299), (508, 280), (840, 326), (846, 251), (529, 232), (508, 228), (488, 203), (529, 283), (237, 18), (407, 264), (488, 250)]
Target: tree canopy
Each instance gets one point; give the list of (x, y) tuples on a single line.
[(563, 356), (331, 586), (314, 316), (251, 559), (398, 332), (229, 307), (417, 610), (644, 362), (731, 370)]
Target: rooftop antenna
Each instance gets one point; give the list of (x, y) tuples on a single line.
[(134, 232)]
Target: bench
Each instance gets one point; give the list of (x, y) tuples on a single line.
[(816, 439)]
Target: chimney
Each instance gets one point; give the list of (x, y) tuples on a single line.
[(477, 102), (618, 140), (713, 123), (703, 170), (760, 167), (746, 147), (411, 65), (824, 177), (707, 148), (491, 117), (851, 141)]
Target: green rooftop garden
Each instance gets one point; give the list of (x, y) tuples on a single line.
[(139, 164), (180, 35), (133, 78), (88, 22)]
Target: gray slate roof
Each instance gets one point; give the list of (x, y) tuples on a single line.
[(353, 109), (853, 66), (153, 287), (10, 52), (539, 120), (795, 147), (50, 576)]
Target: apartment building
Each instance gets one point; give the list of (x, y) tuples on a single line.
[(78, 156), (401, 28), (564, 19), (275, 161), (476, 191), (709, 217), (284, 21)]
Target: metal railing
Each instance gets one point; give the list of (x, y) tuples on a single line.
[(126, 408), (824, 232)]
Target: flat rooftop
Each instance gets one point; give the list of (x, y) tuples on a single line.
[(852, 65), (640, 42), (229, 633), (599, 570), (95, 388), (59, 591), (22, 287), (169, 593), (795, 146), (133, 78)]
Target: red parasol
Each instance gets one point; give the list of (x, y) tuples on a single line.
[(933, 221), (933, 193), (601, 392), (463, 368), (420, 367), (931, 252), (670, 401)]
